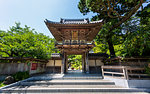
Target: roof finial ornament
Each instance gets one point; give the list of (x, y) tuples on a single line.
[(61, 20), (86, 20)]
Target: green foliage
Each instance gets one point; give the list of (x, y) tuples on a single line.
[(132, 39), (107, 9), (116, 37), (76, 61), (120, 35), (137, 30), (25, 42), (1, 84), (144, 15), (147, 70), (101, 47), (21, 76)]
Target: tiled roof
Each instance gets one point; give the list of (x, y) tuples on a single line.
[(73, 21)]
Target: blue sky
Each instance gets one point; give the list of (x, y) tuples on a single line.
[(33, 12)]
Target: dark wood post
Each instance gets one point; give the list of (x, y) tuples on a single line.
[(63, 63), (66, 63), (87, 62), (54, 66), (102, 72), (83, 63), (96, 67)]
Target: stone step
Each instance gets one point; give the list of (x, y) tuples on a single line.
[(68, 82), (72, 83), (67, 76), (71, 80), (62, 86), (70, 90)]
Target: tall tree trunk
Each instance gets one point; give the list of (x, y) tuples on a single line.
[(111, 47)]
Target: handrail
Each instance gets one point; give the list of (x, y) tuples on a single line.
[(125, 71), (122, 73)]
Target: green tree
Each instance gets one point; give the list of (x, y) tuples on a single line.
[(113, 13), (25, 42), (76, 61), (137, 42)]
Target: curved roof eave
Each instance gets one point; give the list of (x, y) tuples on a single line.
[(52, 22)]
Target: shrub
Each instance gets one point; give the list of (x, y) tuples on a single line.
[(147, 70), (1, 84), (21, 75)]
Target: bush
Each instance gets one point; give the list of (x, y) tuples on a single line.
[(1, 84), (147, 70), (21, 76)]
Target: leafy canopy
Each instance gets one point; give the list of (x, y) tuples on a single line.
[(25, 42)]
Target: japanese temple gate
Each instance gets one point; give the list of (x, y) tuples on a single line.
[(74, 37)]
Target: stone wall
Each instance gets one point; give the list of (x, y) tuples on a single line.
[(12, 65), (12, 68), (40, 68)]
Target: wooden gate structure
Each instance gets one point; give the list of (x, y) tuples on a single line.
[(74, 37)]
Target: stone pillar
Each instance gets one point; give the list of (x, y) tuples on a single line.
[(63, 63), (87, 62)]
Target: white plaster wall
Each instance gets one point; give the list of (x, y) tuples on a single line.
[(91, 62), (51, 63), (58, 62), (99, 63)]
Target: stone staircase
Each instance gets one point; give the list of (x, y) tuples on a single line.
[(68, 83)]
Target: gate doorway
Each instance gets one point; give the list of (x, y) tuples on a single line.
[(74, 64)]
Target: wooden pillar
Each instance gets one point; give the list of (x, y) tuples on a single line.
[(63, 63), (96, 70), (102, 72), (87, 62), (54, 66), (66, 63), (83, 63)]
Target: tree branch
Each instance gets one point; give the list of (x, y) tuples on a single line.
[(6, 52), (128, 16), (24, 53)]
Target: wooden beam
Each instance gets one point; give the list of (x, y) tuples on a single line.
[(59, 33)]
